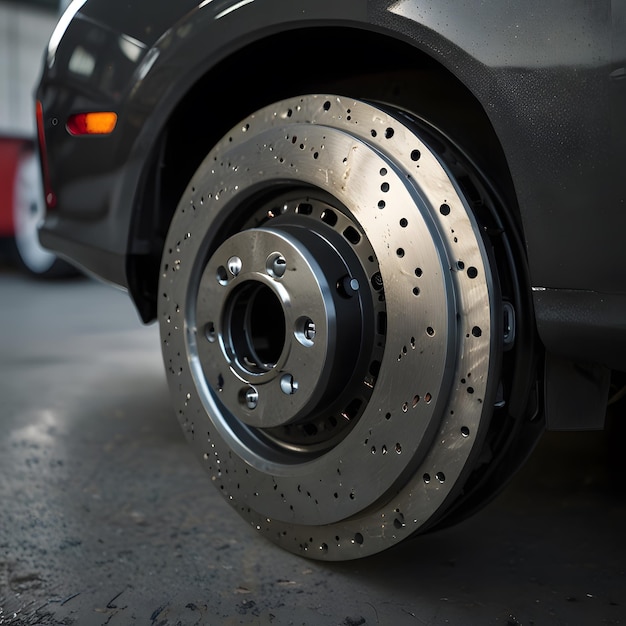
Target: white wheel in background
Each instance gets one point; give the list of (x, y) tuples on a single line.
[(28, 213)]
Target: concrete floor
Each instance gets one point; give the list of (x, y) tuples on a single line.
[(107, 518)]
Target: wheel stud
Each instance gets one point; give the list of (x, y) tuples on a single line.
[(309, 329), (288, 385), (251, 398), (234, 265), (276, 265)]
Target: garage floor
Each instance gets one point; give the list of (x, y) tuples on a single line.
[(107, 518)]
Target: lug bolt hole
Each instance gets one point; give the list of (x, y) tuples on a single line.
[(249, 397), (234, 265), (276, 265), (305, 331), (288, 385), (222, 276)]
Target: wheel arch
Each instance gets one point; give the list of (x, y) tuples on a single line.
[(403, 75)]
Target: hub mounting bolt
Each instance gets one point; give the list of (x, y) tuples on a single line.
[(288, 385), (309, 330), (234, 265), (252, 398)]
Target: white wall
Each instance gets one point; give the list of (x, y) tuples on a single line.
[(24, 34)]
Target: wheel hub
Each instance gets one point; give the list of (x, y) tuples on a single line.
[(284, 317)]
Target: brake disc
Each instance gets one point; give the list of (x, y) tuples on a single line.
[(330, 326)]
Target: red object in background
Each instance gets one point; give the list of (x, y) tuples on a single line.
[(22, 209), (10, 151)]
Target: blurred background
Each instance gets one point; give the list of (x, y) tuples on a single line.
[(25, 28)]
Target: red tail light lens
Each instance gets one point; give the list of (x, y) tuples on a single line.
[(49, 195)]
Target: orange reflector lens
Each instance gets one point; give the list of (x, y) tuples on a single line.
[(96, 123)]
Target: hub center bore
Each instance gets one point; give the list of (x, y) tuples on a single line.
[(255, 328)]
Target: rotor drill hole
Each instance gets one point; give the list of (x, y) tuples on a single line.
[(210, 333)]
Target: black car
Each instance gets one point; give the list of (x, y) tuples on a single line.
[(383, 239)]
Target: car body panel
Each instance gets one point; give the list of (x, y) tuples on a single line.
[(549, 76)]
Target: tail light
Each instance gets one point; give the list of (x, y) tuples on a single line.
[(93, 123), (49, 195)]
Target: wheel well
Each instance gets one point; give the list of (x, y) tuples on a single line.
[(345, 61)]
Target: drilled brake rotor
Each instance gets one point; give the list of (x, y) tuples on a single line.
[(328, 321)]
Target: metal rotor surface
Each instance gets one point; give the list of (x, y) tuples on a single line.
[(327, 319)]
